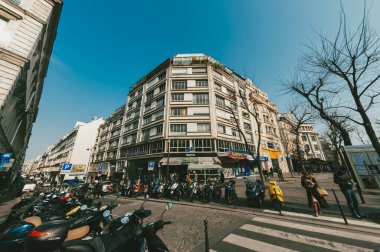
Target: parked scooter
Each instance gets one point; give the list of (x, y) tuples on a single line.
[(255, 192), (230, 193), (276, 195)]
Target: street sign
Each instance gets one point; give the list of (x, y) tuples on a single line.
[(66, 167), (151, 166), (100, 168), (262, 159)]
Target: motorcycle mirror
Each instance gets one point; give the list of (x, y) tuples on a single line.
[(106, 213), (83, 207), (169, 205), (124, 220)]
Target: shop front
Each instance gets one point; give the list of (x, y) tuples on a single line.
[(275, 158), (236, 163)]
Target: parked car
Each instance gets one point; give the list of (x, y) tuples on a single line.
[(107, 187)]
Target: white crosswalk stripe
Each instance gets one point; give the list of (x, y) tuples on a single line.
[(304, 239), (332, 219), (270, 234)]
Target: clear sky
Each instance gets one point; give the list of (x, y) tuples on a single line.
[(102, 48)]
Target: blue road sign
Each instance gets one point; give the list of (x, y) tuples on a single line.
[(66, 167), (151, 166), (100, 167)]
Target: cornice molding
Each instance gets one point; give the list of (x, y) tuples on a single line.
[(12, 57), (9, 14), (28, 13)]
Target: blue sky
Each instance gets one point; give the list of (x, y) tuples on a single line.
[(101, 49)]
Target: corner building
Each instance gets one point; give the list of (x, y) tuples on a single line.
[(178, 121)]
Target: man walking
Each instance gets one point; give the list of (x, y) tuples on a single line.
[(346, 184)]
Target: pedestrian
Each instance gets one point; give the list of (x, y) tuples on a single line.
[(188, 179), (97, 190), (346, 184), (221, 177), (280, 175), (311, 185), (271, 172), (265, 174)]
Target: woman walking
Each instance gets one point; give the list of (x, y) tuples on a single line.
[(313, 191)]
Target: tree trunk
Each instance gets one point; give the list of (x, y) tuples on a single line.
[(345, 136)]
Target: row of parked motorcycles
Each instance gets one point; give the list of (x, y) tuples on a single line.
[(60, 221)]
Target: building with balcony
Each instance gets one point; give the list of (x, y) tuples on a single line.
[(106, 150), (74, 149), (27, 32), (178, 118)]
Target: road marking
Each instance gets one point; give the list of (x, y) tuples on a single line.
[(329, 231), (304, 239), (333, 219), (253, 244)]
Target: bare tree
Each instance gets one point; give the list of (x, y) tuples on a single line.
[(251, 107), (360, 136), (340, 77), (298, 116)]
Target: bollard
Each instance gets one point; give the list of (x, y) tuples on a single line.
[(340, 208), (278, 202), (206, 236)]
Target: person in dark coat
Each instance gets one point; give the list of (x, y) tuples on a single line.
[(311, 191), (280, 175), (346, 184), (222, 177)]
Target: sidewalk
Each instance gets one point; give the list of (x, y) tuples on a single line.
[(296, 199)]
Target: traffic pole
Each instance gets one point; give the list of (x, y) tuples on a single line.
[(340, 208)]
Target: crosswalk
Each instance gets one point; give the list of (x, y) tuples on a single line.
[(271, 233)]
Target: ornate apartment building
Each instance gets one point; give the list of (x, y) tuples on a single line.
[(308, 139), (27, 33), (178, 119)]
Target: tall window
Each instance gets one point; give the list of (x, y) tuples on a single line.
[(202, 144), (235, 133), (203, 127), (179, 111), (249, 137), (162, 87), (159, 129), (178, 97), (222, 129), (201, 83), (179, 85), (147, 119), (160, 102), (146, 134), (219, 101), (178, 128), (160, 115), (304, 137), (179, 145), (149, 96), (247, 126), (316, 147), (200, 98), (162, 76), (313, 138)]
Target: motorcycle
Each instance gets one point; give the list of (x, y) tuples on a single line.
[(174, 191), (255, 193), (276, 195), (230, 193)]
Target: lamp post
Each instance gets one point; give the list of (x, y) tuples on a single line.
[(167, 163)]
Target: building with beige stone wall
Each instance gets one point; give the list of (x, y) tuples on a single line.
[(27, 32)]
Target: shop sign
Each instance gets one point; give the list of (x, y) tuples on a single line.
[(77, 169), (236, 155)]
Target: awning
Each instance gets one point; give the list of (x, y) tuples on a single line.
[(203, 166), (208, 161)]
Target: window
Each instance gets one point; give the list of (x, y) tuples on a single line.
[(149, 96), (222, 129), (202, 144), (139, 92), (200, 98), (160, 102), (201, 111), (201, 83), (247, 126), (199, 70), (179, 71), (145, 134), (179, 111), (313, 138), (235, 133), (179, 145), (147, 119), (178, 97), (133, 138), (249, 137), (178, 128), (219, 101), (203, 127), (162, 87), (304, 137), (159, 129), (148, 106), (179, 85), (233, 106), (16, 2), (307, 148), (162, 76), (316, 147), (160, 115), (218, 76), (245, 114), (270, 145)]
